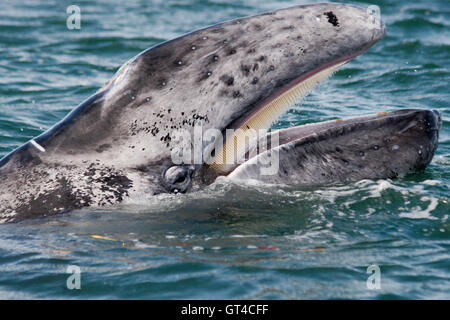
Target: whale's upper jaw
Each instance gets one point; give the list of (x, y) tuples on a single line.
[(216, 78), (119, 141)]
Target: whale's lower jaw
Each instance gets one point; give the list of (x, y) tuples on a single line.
[(385, 145)]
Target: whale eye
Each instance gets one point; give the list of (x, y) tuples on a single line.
[(177, 179)]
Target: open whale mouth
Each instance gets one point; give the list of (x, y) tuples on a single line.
[(263, 115), (415, 132)]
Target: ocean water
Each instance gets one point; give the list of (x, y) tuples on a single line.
[(229, 241)]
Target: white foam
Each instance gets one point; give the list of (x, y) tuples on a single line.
[(248, 236), (431, 182), (419, 213)]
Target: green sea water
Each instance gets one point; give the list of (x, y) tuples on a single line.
[(229, 241)]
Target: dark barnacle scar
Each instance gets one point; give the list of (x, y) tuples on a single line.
[(332, 18)]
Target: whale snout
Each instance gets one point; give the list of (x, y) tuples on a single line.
[(433, 125), (435, 121), (353, 28)]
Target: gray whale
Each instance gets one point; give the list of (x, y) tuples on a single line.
[(240, 74)]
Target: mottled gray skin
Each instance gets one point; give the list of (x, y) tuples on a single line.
[(116, 145), (388, 145)]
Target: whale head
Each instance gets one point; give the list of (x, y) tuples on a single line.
[(241, 74)]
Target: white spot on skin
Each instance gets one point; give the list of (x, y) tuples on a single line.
[(395, 147), (37, 145)]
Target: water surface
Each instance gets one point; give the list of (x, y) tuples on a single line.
[(230, 241)]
